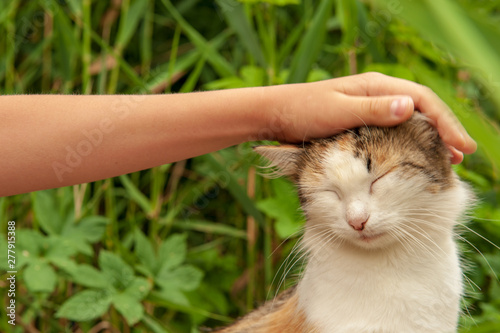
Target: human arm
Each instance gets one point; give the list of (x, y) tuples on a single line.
[(53, 140)]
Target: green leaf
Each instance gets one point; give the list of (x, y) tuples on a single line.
[(219, 63), (173, 295), (90, 228), (237, 19), (210, 228), (448, 23), (81, 246), (59, 247), (115, 269), (138, 288), (274, 2), (64, 44), (172, 251), (395, 70), (89, 276), (185, 278), (318, 74), (482, 129), (40, 277), (4, 264), (311, 44), (136, 195), (85, 305), (347, 12), (129, 307), (28, 245), (284, 207), (237, 191), (153, 324), (131, 22), (66, 264), (45, 209), (144, 251)]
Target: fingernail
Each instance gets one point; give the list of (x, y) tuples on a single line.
[(399, 106)]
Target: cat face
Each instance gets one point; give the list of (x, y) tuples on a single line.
[(374, 187)]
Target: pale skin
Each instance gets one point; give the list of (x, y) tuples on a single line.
[(52, 141)]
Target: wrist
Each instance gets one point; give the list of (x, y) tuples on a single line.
[(274, 112)]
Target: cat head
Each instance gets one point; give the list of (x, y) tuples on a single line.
[(374, 187)]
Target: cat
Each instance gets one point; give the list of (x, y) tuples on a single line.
[(381, 206)]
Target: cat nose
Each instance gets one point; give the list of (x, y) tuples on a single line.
[(357, 214), (358, 222)]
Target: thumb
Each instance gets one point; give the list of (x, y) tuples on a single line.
[(380, 110)]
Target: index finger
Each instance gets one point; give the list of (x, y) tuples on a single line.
[(426, 101)]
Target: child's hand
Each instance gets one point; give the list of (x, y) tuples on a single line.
[(304, 111)]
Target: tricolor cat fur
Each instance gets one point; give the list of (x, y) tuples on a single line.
[(381, 205)]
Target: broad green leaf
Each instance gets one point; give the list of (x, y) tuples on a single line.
[(59, 247), (144, 251), (88, 276), (119, 273), (318, 74), (85, 305), (90, 228), (284, 207), (46, 212), (250, 76), (129, 307), (28, 246), (185, 278), (40, 277), (138, 288), (172, 251), (173, 295), (66, 264), (253, 76)]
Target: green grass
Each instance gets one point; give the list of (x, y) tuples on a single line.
[(197, 243)]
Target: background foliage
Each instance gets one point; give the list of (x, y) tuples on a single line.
[(199, 242)]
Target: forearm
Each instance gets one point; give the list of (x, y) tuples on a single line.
[(52, 140)]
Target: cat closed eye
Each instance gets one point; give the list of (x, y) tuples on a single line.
[(376, 180), (334, 192)]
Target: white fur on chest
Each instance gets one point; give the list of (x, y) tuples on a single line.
[(348, 290)]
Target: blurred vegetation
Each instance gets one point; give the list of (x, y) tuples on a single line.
[(199, 242)]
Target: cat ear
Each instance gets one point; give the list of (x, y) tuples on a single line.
[(283, 159)]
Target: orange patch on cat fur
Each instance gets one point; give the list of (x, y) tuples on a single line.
[(279, 316)]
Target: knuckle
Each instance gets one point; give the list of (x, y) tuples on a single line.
[(373, 107), (426, 90), (375, 76)]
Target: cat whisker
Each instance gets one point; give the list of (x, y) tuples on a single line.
[(296, 250), (419, 242), (293, 251), (402, 239), (479, 235)]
